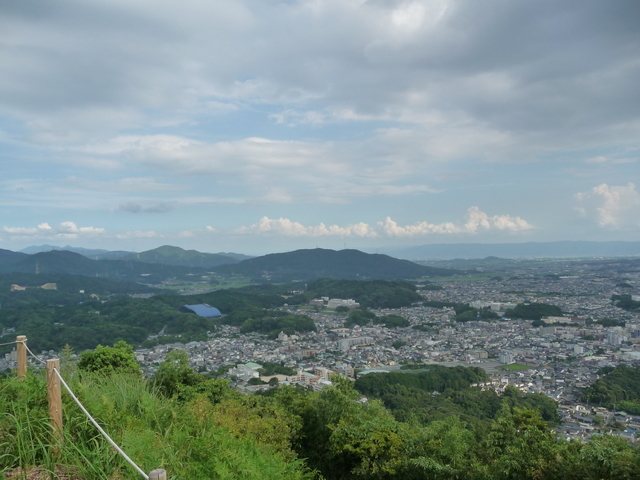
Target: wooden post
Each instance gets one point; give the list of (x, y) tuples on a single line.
[(55, 399), (21, 351), (158, 474)]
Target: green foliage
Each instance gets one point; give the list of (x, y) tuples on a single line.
[(466, 316), (176, 379), (52, 322), (118, 359), (520, 446), (543, 405), (475, 314), (443, 449), (237, 439), (392, 321), (270, 368), (607, 322), (292, 432), (411, 395), (617, 385), (437, 379), (360, 317), (625, 302), (534, 311), (369, 294), (269, 322)]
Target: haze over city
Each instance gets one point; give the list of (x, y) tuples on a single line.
[(263, 127)]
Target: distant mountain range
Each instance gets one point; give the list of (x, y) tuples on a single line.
[(168, 255), (62, 261), (165, 255), (318, 263), (164, 262), (519, 250), (96, 254)]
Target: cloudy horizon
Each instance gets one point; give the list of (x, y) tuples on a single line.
[(262, 127)]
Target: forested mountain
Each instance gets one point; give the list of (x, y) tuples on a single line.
[(7, 257), (60, 261), (318, 262), (156, 265), (168, 255), (94, 253)]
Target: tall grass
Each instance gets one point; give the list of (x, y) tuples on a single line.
[(156, 432)]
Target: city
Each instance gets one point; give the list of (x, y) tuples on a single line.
[(557, 357)]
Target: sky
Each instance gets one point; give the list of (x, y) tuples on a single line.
[(260, 126)]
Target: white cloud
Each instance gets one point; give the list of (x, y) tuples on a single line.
[(279, 171), (476, 220), (137, 234), (186, 156), (284, 226), (44, 231), (612, 206)]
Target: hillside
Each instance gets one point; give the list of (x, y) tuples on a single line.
[(7, 257), (168, 255), (318, 263), (196, 427), (69, 283), (60, 261)]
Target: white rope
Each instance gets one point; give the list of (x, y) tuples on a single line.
[(32, 354), (10, 343), (113, 444)]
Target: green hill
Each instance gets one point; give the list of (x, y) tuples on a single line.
[(168, 255), (60, 261), (318, 263), (7, 257)]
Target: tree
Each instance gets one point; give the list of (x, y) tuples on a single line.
[(520, 446), (175, 372), (367, 442), (176, 378), (109, 360)]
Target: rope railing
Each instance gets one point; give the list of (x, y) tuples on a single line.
[(100, 429), (55, 404), (32, 354)]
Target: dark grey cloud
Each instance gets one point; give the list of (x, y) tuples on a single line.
[(133, 207), (516, 66), (159, 208)]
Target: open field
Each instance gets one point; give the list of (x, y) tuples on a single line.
[(515, 367)]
